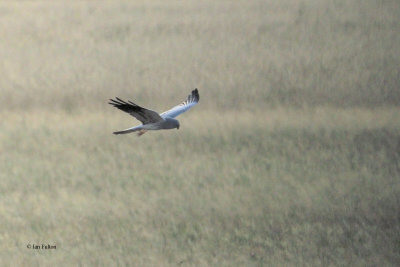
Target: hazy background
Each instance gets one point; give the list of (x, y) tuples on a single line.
[(291, 158)]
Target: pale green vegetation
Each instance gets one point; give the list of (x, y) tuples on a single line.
[(291, 158)]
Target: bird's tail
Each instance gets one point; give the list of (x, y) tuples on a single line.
[(133, 129)]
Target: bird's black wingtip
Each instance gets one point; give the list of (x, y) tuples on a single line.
[(196, 95), (113, 101)]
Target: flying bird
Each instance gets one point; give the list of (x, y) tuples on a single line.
[(150, 119)]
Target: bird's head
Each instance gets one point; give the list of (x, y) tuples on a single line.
[(171, 123)]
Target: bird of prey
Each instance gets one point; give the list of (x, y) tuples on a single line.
[(150, 119)]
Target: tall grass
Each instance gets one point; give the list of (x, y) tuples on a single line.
[(216, 192), (301, 53), (290, 158)]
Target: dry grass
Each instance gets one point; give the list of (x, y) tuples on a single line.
[(291, 158), (302, 53)]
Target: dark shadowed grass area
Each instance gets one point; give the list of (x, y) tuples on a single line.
[(279, 193)]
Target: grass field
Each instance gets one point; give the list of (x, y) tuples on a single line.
[(291, 158)]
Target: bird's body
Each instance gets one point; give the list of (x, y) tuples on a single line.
[(150, 119)]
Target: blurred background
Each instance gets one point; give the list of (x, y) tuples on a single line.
[(292, 156)]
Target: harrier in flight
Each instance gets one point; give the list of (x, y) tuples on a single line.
[(150, 119)]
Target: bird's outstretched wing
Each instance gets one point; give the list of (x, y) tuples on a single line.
[(192, 100), (142, 114)]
